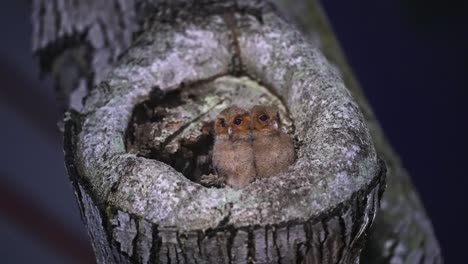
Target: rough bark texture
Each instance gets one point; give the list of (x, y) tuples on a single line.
[(79, 40), (402, 232), (142, 210), (67, 46)]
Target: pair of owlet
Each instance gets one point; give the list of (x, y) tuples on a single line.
[(250, 144)]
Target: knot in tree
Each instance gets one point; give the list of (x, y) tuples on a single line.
[(138, 148)]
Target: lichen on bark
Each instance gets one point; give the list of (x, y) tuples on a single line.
[(403, 232), (321, 208)]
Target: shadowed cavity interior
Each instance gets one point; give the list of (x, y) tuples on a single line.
[(176, 127)]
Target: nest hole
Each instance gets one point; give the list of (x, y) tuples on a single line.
[(176, 127)]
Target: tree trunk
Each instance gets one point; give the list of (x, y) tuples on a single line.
[(402, 232), (79, 43)]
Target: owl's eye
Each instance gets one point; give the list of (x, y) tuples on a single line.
[(238, 121), (263, 118), (222, 122)]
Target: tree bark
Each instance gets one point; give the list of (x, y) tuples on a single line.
[(402, 232), (73, 49), (141, 210), (78, 41)]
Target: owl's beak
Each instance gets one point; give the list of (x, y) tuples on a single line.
[(275, 125), (230, 130)]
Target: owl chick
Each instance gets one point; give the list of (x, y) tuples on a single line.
[(233, 157), (273, 149)]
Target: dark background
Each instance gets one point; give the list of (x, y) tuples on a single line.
[(411, 57)]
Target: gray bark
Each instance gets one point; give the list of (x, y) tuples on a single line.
[(61, 39), (78, 41), (142, 210), (402, 232)]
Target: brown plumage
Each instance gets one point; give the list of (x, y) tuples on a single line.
[(233, 157), (273, 149)]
